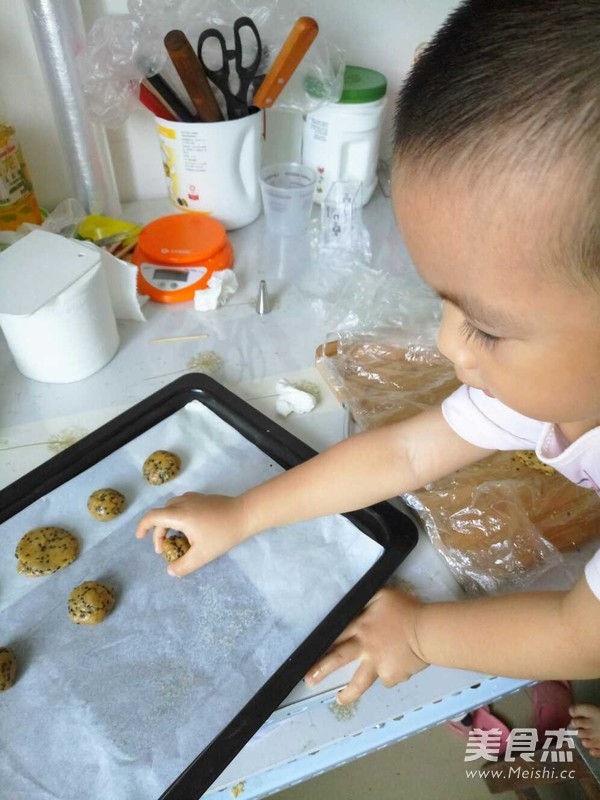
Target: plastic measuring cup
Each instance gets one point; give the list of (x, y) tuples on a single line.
[(287, 192)]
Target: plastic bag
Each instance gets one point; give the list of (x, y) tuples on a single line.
[(355, 300), (340, 236), (499, 523), (123, 49), (380, 377)]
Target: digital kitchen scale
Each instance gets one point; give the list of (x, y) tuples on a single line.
[(177, 255)]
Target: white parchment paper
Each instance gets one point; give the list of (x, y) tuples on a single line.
[(118, 710)]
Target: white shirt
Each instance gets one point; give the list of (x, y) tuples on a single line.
[(486, 422)]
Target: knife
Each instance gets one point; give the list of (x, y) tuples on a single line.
[(291, 54)]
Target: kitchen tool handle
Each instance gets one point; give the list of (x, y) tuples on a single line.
[(161, 90), (220, 77), (249, 72), (192, 76), (291, 54), (155, 104)]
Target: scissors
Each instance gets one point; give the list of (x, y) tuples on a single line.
[(235, 101)]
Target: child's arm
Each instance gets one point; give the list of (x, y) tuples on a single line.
[(358, 472), (537, 635)]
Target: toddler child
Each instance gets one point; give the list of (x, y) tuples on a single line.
[(496, 191)]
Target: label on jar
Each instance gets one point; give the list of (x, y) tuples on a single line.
[(319, 129), (14, 179)]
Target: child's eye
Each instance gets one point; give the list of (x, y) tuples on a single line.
[(469, 331)]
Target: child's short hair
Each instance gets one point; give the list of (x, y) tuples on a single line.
[(515, 82)]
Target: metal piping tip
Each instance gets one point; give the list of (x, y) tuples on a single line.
[(262, 299)]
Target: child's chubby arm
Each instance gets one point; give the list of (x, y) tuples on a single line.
[(536, 635), (358, 472)]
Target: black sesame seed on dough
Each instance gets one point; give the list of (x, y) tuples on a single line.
[(8, 668), (160, 467), (89, 603), (175, 546), (106, 504), (42, 551)]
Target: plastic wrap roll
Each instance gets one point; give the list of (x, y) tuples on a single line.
[(59, 34)]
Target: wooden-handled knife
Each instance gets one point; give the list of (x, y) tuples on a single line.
[(291, 54)]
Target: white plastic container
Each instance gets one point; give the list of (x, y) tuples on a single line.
[(55, 308), (341, 140), (213, 167)]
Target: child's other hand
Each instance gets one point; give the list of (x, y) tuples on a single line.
[(383, 638), (213, 525)]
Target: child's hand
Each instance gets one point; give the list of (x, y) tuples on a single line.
[(383, 638), (213, 525)]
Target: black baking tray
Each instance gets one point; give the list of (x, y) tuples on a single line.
[(392, 528)]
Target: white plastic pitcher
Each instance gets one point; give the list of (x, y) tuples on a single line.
[(213, 167)]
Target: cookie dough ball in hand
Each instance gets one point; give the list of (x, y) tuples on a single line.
[(160, 467), (105, 504), (8, 668), (174, 547), (42, 551), (89, 603)]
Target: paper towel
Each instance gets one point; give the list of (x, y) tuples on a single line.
[(67, 330), (292, 399), (70, 337), (121, 277), (220, 287)]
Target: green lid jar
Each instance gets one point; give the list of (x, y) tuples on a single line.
[(362, 85), (341, 140)]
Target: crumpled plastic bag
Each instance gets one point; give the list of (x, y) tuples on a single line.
[(385, 376), (499, 523)]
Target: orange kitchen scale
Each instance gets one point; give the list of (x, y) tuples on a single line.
[(177, 255)]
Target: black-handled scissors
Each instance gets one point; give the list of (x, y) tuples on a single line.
[(235, 101)]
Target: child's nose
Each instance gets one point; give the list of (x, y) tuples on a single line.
[(451, 341)]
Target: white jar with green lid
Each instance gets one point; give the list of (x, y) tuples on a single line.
[(341, 140)]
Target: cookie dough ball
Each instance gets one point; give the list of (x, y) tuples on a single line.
[(89, 603), (8, 668), (42, 551), (174, 547), (105, 504), (160, 467)]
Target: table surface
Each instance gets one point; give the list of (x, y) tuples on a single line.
[(310, 733)]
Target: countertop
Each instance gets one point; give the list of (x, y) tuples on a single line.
[(248, 353)]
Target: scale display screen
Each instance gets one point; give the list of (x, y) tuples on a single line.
[(171, 275)]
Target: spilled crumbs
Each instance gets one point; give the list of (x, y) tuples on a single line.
[(66, 438), (207, 362), (343, 713)]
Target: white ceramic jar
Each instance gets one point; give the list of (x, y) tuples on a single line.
[(341, 140)]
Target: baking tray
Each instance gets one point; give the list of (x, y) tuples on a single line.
[(392, 529)]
